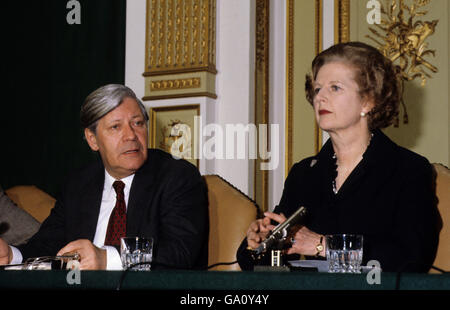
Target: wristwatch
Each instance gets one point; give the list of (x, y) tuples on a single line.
[(319, 247)]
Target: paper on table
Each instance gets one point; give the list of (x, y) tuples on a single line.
[(321, 265)]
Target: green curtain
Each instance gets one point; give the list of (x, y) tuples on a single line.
[(50, 67)]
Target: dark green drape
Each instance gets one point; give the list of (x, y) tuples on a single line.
[(49, 67)]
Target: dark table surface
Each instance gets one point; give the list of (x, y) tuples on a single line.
[(217, 280)]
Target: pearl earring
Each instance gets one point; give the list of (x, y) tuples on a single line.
[(363, 114)]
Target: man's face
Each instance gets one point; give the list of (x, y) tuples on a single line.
[(121, 139)]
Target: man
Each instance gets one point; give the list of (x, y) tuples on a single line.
[(164, 198)]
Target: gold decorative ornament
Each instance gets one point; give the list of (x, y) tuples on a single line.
[(161, 85), (168, 136), (180, 40), (261, 107), (342, 21), (403, 40), (172, 129), (180, 36)]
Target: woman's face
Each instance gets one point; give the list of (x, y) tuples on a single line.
[(337, 103)]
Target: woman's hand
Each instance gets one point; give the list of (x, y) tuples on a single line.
[(305, 243), (259, 229)]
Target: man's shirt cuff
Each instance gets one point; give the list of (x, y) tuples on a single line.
[(113, 261), (16, 255)]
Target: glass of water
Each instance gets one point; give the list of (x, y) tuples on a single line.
[(136, 253), (344, 253)]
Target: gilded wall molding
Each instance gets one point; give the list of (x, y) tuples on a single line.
[(318, 141), (261, 181), (341, 21), (180, 36), (175, 84), (318, 19), (290, 84), (180, 39), (318, 26)]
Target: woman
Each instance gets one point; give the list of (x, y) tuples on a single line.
[(360, 182)]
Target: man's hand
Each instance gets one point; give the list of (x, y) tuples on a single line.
[(259, 229), (5, 253), (91, 257)]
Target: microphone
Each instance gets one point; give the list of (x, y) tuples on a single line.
[(280, 231)]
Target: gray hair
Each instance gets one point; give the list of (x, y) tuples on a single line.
[(102, 101)]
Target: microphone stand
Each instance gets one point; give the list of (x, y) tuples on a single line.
[(277, 242)]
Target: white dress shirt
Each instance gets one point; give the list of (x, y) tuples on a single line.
[(113, 261)]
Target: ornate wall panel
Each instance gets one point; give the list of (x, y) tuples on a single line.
[(262, 94), (304, 20), (341, 21), (180, 49), (417, 39)]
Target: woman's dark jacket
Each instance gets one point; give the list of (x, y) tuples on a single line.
[(388, 198)]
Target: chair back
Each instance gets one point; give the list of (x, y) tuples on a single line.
[(230, 214), (442, 259), (33, 200)]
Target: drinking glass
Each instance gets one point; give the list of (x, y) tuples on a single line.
[(344, 253), (136, 253)]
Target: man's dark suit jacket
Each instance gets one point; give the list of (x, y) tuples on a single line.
[(388, 198), (167, 201)]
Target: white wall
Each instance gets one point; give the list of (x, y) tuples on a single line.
[(327, 37), (135, 46), (235, 80)]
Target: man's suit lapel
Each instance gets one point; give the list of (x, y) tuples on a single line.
[(90, 202), (142, 184)]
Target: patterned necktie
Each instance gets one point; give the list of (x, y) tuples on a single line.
[(117, 224)]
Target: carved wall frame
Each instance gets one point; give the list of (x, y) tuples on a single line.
[(342, 34), (180, 56), (261, 181)]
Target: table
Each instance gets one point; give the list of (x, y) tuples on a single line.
[(218, 280)]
